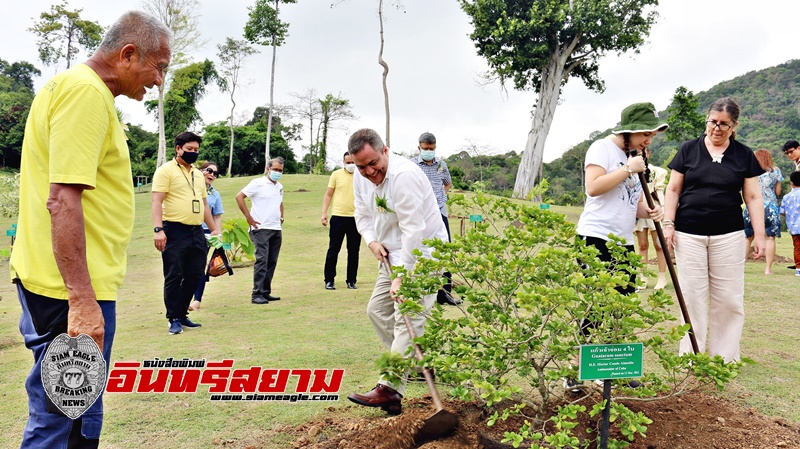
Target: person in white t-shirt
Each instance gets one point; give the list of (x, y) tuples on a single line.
[(614, 194), (265, 218)]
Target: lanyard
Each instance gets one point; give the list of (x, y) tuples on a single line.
[(194, 194)]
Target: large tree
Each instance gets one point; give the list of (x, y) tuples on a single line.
[(16, 96), (264, 27), (308, 109), (231, 59), (62, 33), (685, 122), (181, 17), (540, 44), (188, 86), (332, 109)]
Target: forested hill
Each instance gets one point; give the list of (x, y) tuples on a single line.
[(770, 102)]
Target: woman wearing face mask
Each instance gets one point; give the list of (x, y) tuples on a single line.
[(343, 223), (210, 172), (703, 222), (614, 194)]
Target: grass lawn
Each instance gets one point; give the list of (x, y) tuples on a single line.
[(315, 328)]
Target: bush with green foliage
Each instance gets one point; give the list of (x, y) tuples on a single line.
[(517, 335)]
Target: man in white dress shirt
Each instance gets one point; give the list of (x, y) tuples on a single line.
[(395, 211)]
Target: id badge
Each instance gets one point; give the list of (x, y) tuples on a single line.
[(196, 206)]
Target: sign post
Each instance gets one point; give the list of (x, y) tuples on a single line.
[(607, 362)]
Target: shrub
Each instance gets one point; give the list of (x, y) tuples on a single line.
[(517, 334)]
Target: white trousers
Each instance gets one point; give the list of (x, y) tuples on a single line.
[(385, 316), (711, 275)]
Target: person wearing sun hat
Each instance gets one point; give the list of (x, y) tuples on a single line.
[(614, 194)]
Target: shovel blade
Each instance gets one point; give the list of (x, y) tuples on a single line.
[(439, 425)]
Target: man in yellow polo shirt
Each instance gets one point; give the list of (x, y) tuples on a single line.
[(340, 193), (179, 208), (76, 213)]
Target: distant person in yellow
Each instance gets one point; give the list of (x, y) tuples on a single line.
[(179, 208), (340, 193), (76, 212)]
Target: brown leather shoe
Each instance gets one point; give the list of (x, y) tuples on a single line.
[(381, 396)]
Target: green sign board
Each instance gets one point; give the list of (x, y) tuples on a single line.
[(473, 218), (618, 361)]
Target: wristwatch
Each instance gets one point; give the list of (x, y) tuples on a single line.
[(158, 229)]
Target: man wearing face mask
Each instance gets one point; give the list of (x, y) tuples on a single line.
[(435, 169), (265, 218), (340, 193), (179, 208)]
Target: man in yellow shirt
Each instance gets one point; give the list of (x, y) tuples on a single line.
[(179, 208), (76, 212), (340, 193)]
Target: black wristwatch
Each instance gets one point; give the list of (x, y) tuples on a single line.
[(158, 229)]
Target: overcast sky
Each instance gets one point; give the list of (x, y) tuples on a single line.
[(434, 79)]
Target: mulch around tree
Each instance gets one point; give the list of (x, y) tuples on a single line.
[(691, 421)]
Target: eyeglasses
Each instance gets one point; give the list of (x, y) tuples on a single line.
[(789, 150), (211, 172), (722, 126)]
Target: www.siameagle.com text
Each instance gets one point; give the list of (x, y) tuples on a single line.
[(275, 397)]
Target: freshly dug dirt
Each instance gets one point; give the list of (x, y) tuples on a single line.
[(692, 421)]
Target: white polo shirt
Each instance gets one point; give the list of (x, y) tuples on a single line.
[(266, 198)]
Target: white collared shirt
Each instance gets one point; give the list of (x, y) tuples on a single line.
[(414, 213)]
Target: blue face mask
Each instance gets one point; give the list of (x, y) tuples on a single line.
[(427, 155), (275, 176)]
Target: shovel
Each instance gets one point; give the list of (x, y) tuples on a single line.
[(443, 422)]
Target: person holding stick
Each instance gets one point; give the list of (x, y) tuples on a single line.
[(710, 176), (614, 192)]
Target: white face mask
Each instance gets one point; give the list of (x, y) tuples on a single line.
[(350, 168)]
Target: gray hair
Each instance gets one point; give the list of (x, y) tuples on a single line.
[(144, 31), (277, 159), (362, 137), (427, 137), (727, 105)]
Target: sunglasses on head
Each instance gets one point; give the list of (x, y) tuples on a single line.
[(209, 170)]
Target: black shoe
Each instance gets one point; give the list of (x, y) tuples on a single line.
[(259, 300), (791, 267), (175, 327), (329, 285), (574, 386), (351, 285), (272, 298), (445, 298), (186, 322)]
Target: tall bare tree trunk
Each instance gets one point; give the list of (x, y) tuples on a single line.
[(549, 91), (271, 92), (230, 153), (162, 139), (385, 74)]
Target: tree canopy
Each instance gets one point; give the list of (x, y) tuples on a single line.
[(62, 31)]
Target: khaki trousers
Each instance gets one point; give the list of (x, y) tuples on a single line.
[(388, 322), (711, 275)]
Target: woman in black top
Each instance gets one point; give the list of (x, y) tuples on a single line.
[(702, 222)]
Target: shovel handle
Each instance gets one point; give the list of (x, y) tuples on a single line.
[(672, 273), (417, 350)]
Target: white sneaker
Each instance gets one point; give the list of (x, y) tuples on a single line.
[(797, 272)]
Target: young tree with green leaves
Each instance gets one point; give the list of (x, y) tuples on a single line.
[(308, 108), (231, 60), (181, 17), (540, 44), (61, 33), (264, 27)]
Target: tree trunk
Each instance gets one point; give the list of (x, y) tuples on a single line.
[(271, 93), (323, 149), (230, 153), (162, 139), (549, 92), (70, 31), (385, 74)]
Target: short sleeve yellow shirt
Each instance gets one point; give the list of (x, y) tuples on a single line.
[(181, 188), (343, 201), (73, 136)]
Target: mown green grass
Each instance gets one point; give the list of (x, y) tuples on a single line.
[(314, 328)]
